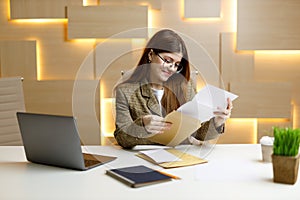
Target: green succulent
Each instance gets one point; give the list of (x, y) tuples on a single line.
[(286, 141)]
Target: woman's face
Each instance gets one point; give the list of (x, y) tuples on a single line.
[(163, 66)]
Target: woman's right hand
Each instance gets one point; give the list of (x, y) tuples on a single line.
[(155, 124)]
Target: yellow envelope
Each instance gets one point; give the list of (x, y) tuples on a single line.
[(182, 127), (185, 159)]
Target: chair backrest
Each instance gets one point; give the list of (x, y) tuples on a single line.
[(11, 101)]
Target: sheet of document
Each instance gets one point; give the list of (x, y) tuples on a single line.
[(188, 118), (160, 155), (145, 147), (205, 102), (182, 127)]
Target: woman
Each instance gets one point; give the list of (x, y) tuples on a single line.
[(158, 85)]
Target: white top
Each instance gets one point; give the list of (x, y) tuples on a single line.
[(232, 172), (159, 94)]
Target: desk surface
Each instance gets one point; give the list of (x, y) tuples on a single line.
[(232, 172)]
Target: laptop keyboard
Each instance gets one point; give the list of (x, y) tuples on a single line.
[(91, 160), (89, 163)]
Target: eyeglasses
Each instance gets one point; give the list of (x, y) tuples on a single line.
[(170, 64)]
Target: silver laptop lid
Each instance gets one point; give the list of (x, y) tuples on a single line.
[(51, 140)]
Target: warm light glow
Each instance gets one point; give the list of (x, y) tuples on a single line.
[(106, 114), (239, 123), (208, 19), (90, 2), (107, 117), (278, 52), (8, 9), (138, 43), (254, 141), (150, 20), (39, 21), (38, 62), (82, 41), (181, 5), (242, 120), (200, 85), (85, 2), (144, 4), (240, 51), (273, 120), (295, 116), (38, 58), (46, 20), (233, 16)]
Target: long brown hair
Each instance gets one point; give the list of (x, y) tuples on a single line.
[(175, 87)]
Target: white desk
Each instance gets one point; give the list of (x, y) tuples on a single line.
[(232, 172)]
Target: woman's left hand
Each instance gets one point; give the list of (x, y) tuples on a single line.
[(221, 115)]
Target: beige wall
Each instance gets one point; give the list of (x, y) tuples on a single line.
[(241, 45)]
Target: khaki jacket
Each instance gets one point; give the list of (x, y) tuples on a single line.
[(134, 100)]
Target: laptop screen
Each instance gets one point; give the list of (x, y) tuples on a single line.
[(51, 139)]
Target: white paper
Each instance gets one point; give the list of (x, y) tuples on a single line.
[(206, 101), (145, 147), (160, 155)]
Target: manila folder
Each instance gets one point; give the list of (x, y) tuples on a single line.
[(182, 127)]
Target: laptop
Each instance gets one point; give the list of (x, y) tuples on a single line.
[(54, 140)]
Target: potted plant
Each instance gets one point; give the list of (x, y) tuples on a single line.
[(285, 157)]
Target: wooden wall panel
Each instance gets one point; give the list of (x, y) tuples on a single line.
[(18, 58), (105, 21), (11, 101), (201, 60), (57, 97), (55, 62), (265, 126), (206, 33), (261, 99), (296, 94), (56, 57), (277, 67), (235, 65), (58, 94), (154, 4), (86, 107), (296, 123), (296, 103), (202, 8), (239, 131), (39, 9), (268, 25), (121, 57)]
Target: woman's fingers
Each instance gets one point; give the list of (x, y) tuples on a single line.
[(221, 115), (155, 124), (222, 112), (229, 104)]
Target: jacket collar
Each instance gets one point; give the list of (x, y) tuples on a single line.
[(152, 102)]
